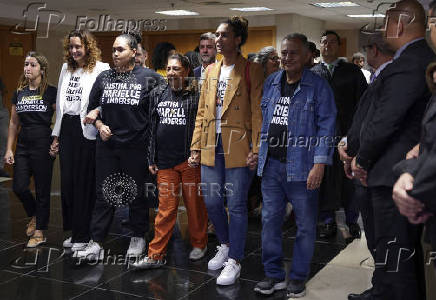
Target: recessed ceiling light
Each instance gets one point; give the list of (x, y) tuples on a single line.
[(251, 8), (335, 4), (179, 12), (367, 16)]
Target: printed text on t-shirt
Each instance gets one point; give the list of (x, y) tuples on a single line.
[(281, 110)]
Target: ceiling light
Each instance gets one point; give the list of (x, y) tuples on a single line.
[(335, 4), (367, 16), (251, 8), (179, 12)]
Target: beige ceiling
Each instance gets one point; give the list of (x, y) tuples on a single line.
[(206, 8)]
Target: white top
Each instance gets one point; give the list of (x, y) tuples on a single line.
[(221, 91), (367, 75), (85, 83), (73, 94)]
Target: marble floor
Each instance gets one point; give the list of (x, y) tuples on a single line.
[(48, 272)]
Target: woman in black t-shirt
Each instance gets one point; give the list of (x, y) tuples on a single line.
[(121, 97), (33, 104)]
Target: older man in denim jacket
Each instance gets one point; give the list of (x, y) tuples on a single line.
[(297, 140)]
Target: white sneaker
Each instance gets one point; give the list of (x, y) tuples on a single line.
[(197, 253), (93, 251), (220, 258), (136, 247), (230, 273), (67, 243), (78, 246)]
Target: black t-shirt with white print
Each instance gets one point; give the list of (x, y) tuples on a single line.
[(171, 131), (124, 101), (278, 129), (32, 108)]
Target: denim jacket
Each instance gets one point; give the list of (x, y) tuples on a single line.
[(311, 124)]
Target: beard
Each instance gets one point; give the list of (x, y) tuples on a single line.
[(207, 59)]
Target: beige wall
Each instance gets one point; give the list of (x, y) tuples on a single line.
[(352, 37), (292, 23), (52, 49), (284, 23)]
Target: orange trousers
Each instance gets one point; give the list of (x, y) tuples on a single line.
[(170, 181)]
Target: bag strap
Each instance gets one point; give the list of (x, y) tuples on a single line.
[(247, 76)]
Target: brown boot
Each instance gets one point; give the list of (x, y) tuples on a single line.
[(31, 227), (36, 240)]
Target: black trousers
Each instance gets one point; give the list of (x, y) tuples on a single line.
[(363, 199), (337, 190), (399, 272), (120, 173), (32, 159), (77, 163)]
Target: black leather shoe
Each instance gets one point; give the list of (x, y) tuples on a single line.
[(328, 230), (354, 230), (366, 295), (3, 173)]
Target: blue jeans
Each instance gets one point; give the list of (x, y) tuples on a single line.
[(232, 184), (276, 192)]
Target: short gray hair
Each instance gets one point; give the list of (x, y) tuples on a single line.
[(358, 56), (263, 54), (377, 40), (207, 36), (298, 36)]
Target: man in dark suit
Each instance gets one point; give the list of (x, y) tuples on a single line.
[(379, 56), (207, 53), (348, 84), (390, 129), (414, 192)]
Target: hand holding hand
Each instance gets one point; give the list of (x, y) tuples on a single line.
[(252, 159), (194, 159)]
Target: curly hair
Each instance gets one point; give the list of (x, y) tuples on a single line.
[(92, 52), (239, 27), (43, 64)]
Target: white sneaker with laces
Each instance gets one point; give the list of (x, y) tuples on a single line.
[(67, 243), (230, 273), (93, 251), (136, 247), (220, 258), (197, 253), (78, 246)]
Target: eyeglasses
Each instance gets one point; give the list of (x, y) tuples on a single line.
[(274, 58)]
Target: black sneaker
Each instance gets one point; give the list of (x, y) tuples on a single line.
[(328, 230), (354, 230), (269, 285), (296, 289)]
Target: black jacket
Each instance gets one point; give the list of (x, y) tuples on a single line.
[(353, 135), (393, 123), (423, 168), (348, 84), (162, 93)]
